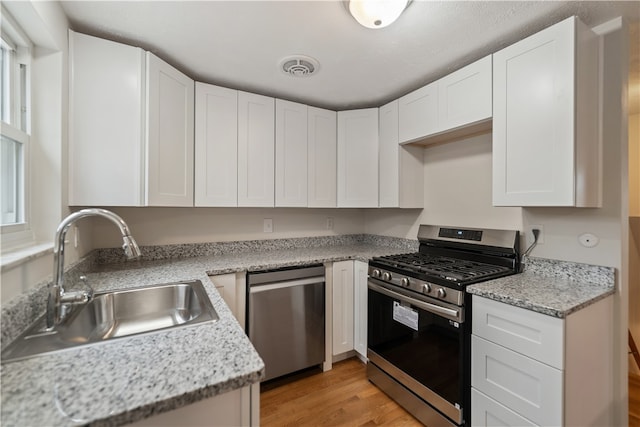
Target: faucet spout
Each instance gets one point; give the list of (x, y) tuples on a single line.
[(57, 294)]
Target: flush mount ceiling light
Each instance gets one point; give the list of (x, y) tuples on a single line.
[(376, 13)]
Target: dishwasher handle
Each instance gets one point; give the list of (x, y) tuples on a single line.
[(254, 289)]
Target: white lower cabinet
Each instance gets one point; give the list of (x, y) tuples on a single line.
[(487, 412), (360, 308), (349, 307), (233, 408), (342, 329), (232, 287), (528, 387), (528, 368)]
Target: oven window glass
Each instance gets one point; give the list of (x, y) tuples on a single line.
[(431, 355)]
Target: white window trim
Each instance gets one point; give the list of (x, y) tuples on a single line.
[(20, 235)]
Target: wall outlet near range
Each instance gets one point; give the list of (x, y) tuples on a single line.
[(267, 226), (329, 223), (529, 234)]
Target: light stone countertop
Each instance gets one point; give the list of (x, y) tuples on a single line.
[(125, 380), (554, 288)]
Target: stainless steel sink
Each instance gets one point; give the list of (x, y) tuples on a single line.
[(118, 314)]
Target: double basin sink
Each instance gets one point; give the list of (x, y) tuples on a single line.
[(118, 314)]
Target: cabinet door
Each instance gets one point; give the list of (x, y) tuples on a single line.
[(106, 133), (170, 111), (486, 412), (389, 162), (360, 308), (358, 158), (232, 288), (533, 334), (401, 167), (232, 408), (322, 158), (216, 146), (342, 306), (527, 387), (418, 113), (465, 96), (291, 154), (256, 145), (534, 119)]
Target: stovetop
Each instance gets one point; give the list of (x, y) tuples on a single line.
[(432, 267)]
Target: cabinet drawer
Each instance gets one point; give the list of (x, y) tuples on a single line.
[(533, 334), (486, 412), (523, 385)]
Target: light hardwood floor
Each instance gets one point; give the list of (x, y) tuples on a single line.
[(634, 400), (340, 397), (344, 396)]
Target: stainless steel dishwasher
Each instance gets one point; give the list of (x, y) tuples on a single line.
[(285, 317)]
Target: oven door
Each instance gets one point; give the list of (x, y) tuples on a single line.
[(419, 342)]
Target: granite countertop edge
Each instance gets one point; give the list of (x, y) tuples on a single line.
[(551, 287)]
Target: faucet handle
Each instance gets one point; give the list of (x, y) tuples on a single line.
[(80, 296)]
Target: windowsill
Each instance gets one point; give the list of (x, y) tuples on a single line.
[(20, 256)]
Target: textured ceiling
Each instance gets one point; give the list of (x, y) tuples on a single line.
[(239, 44)]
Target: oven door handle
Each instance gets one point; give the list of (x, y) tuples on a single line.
[(432, 308)]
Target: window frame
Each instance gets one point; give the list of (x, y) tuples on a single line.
[(19, 234)]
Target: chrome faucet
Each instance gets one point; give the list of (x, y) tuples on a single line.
[(57, 295)]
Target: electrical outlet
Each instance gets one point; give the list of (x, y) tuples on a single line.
[(329, 223), (267, 226), (529, 234)]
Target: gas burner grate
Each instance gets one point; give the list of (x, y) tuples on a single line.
[(451, 269)]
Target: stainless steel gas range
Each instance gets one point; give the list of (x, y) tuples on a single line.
[(419, 318)]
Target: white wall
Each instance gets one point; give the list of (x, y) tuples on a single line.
[(161, 226), (457, 183)]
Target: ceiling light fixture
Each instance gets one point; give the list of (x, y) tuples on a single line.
[(376, 13)]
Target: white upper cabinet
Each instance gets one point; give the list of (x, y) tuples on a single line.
[(106, 123), (358, 158), (216, 146), (401, 168), (291, 154), (131, 127), (170, 111), (546, 147), (322, 158), (418, 113), (455, 106), (256, 148), (464, 96)]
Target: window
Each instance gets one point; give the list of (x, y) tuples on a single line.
[(14, 134)]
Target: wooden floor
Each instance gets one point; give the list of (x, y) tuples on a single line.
[(340, 397), (344, 397), (634, 400)]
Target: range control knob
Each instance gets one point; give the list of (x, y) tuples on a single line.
[(426, 288), (405, 282), (375, 273), (386, 276), (441, 293)]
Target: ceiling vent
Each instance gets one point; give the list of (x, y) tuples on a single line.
[(299, 66)]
